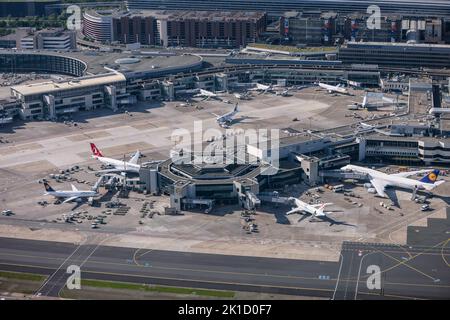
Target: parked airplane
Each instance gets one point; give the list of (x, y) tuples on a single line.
[(284, 93), (243, 96), (314, 209), (438, 110), (226, 119), (331, 89), (381, 101), (262, 88), (380, 181), (6, 120), (208, 94), (119, 165), (72, 195)]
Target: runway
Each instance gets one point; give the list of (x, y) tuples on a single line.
[(406, 272), (295, 277)]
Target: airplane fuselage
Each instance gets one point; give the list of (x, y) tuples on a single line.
[(70, 194), (393, 181), (118, 164), (331, 88), (302, 206), (227, 118)]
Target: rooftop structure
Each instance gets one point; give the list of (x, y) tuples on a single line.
[(77, 63), (54, 86), (436, 7)]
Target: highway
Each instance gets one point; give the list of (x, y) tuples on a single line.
[(406, 272)]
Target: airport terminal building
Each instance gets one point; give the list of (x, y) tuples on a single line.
[(53, 99)]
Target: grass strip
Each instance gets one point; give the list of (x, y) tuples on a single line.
[(21, 276), (161, 289)]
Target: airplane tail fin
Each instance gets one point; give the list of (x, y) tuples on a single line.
[(95, 151), (320, 212), (431, 177), (48, 188)]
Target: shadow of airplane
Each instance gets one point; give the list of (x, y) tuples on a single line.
[(392, 195), (446, 199), (242, 118), (324, 219), (332, 221), (281, 218), (78, 204)]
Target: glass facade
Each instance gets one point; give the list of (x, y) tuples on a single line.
[(399, 55), (24, 63)]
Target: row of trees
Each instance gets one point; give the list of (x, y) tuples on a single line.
[(50, 21), (5, 32)]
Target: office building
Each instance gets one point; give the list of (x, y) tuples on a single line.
[(97, 25), (175, 28), (48, 39), (309, 28), (396, 54), (25, 8)]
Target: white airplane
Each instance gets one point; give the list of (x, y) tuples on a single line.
[(331, 89), (284, 93), (226, 119), (314, 209), (439, 110), (72, 195), (208, 94), (382, 101), (6, 120), (262, 88), (380, 181), (239, 96), (357, 105), (119, 165)]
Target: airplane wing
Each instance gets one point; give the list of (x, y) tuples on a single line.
[(321, 204), (134, 159), (294, 210), (69, 199), (74, 188), (110, 170), (410, 173), (379, 186)]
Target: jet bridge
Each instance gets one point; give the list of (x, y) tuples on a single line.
[(251, 201), (272, 197), (343, 175), (187, 202)]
